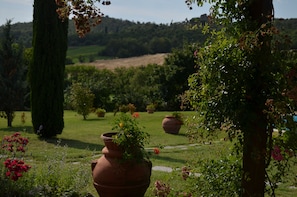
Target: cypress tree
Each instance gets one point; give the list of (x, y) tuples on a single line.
[(47, 69), (12, 70)]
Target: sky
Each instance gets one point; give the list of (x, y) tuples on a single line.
[(155, 11)]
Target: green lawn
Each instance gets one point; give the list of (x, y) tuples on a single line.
[(80, 143)]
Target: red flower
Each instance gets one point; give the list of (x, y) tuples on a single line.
[(156, 151), (21, 149), (15, 167), (276, 153), (8, 173), (135, 115), (16, 134)]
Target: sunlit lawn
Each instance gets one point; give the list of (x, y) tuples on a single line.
[(81, 139)]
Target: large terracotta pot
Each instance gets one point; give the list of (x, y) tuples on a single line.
[(171, 125), (115, 178)]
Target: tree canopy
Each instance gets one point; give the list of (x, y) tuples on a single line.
[(242, 85)]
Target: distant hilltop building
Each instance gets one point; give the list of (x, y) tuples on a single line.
[(204, 18)]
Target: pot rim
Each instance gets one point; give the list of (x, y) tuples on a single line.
[(169, 116), (108, 135)]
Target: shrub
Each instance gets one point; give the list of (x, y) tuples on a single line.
[(81, 99), (220, 178), (127, 108), (100, 112), (55, 177), (124, 108)]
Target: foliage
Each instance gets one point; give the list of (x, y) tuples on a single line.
[(130, 137), (84, 13), (12, 72), (220, 177), (46, 73), (55, 177), (242, 84), (81, 99), (127, 108), (178, 34), (137, 85), (151, 106), (178, 116), (100, 82), (181, 63)]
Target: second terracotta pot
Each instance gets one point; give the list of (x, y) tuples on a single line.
[(171, 125)]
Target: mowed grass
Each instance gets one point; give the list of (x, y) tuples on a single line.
[(80, 143), (82, 137)]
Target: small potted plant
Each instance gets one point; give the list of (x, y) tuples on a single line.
[(124, 167), (150, 108), (100, 112), (172, 123)]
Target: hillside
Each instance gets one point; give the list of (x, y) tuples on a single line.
[(123, 38), (128, 62)]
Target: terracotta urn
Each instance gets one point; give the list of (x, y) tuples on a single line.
[(150, 111), (171, 125), (113, 177)]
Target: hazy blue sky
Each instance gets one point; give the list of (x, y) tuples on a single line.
[(158, 11)]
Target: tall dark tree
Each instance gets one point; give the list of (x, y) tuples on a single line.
[(11, 76), (47, 70)]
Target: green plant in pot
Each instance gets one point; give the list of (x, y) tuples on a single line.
[(150, 108), (178, 116), (100, 112), (124, 169), (130, 137)]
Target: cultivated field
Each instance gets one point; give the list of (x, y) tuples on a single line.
[(128, 62)]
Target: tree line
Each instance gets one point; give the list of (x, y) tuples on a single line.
[(158, 84), (123, 38)]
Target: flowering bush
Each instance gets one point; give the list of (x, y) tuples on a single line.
[(14, 144)]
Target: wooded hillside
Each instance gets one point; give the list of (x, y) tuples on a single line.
[(123, 38)]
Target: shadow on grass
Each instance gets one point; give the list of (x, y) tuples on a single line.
[(27, 129), (71, 143), (169, 159), (179, 134), (94, 119)]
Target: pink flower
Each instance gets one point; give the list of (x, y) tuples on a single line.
[(276, 153)]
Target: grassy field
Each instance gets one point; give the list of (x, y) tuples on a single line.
[(83, 51), (91, 52), (80, 143)]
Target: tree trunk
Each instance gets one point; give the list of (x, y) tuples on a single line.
[(255, 127), (9, 115), (254, 157)]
